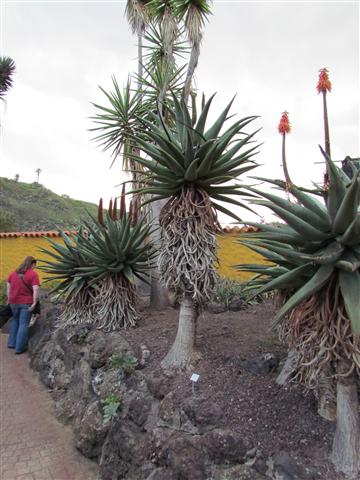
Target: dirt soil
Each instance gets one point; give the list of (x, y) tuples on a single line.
[(274, 418)]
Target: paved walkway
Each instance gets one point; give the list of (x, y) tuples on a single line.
[(33, 444)]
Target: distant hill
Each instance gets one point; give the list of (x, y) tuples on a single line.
[(32, 207)]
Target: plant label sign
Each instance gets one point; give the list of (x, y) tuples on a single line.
[(194, 377)]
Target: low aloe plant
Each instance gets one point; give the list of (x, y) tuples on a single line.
[(76, 291), (104, 260), (315, 259)]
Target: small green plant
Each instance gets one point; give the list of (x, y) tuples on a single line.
[(82, 335), (110, 407), (125, 363), (3, 296), (226, 290)]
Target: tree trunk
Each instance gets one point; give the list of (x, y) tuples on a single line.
[(194, 58), (140, 60), (326, 397), (159, 295), (286, 371), (346, 445), (181, 351)]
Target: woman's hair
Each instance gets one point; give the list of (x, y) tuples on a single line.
[(26, 264)]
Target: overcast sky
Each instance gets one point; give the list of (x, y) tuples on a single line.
[(268, 53)]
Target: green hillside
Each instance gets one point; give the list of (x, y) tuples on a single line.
[(32, 207)]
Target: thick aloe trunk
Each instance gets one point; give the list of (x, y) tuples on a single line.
[(194, 58), (182, 349), (346, 446), (159, 295), (287, 369), (140, 60)]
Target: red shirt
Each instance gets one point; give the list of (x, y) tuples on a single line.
[(19, 293)]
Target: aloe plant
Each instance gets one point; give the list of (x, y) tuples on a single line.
[(77, 293), (316, 245), (103, 261), (194, 168), (315, 264), (7, 70)]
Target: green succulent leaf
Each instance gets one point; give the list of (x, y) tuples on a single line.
[(316, 282), (185, 157), (350, 288)]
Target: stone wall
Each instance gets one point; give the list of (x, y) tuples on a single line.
[(13, 249)]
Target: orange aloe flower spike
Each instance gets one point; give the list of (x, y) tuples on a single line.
[(284, 125), (324, 84)]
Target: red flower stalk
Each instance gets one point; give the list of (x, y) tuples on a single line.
[(122, 202), (324, 83), (284, 125), (284, 128), (113, 215), (324, 86), (100, 212)]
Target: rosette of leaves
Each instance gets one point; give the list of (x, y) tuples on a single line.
[(7, 70), (76, 291), (96, 268), (315, 263), (118, 250), (194, 168)]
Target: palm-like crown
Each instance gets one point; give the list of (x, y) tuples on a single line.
[(316, 243), (191, 156)]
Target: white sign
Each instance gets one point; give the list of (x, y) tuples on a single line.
[(194, 377)]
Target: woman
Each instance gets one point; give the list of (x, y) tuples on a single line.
[(22, 295)]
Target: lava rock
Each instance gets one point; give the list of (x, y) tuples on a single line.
[(237, 304), (118, 452), (204, 414), (139, 409), (225, 446), (216, 307), (238, 472), (286, 468), (185, 457), (163, 474), (158, 384), (260, 365), (91, 431)]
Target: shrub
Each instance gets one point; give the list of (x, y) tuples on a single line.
[(125, 363), (110, 408)]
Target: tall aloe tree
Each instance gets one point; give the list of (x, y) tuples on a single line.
[(7, 70), (162, 14), (117, 123), (315, 259), (195, 169), (138, 18), (193, 13), (118, 126)]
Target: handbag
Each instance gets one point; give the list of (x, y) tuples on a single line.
[(5, 314), (36, 310)]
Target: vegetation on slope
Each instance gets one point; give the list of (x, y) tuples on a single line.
[(32, 207)]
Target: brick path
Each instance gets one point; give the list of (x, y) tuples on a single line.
[(33, 444)]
